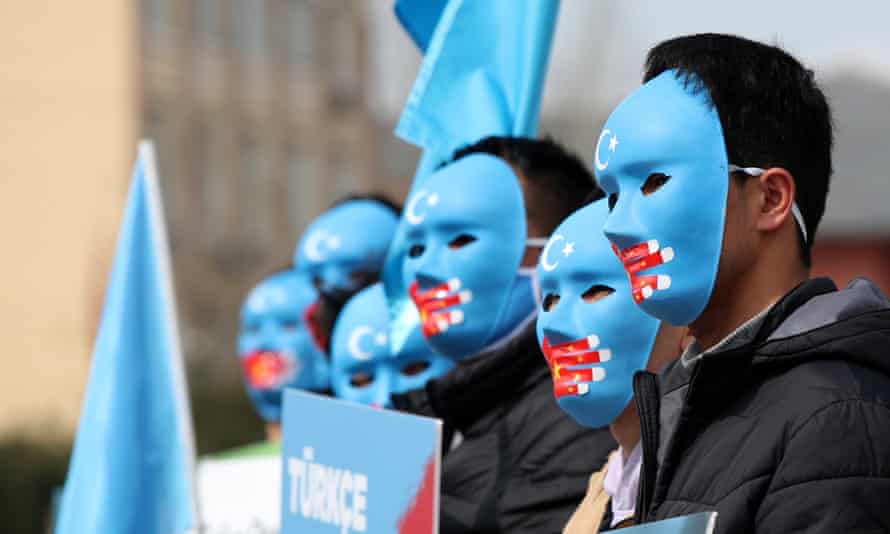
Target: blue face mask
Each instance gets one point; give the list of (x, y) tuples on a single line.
[(662, 159), (592, 334), (344, 248), (363, 370), (274, 347), (466, 237)]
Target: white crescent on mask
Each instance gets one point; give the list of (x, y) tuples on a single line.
[(355, 338), (411, 214), (313, 248), (545, 254), (600, 166)]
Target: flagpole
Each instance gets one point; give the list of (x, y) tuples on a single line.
[(146, 152)]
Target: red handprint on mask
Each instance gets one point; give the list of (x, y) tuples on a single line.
[(644, 256), (562, 359), (432, 304)]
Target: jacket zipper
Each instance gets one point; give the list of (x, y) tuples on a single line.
[(648, 400)]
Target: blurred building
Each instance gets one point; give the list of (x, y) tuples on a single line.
[(259, 109), (261, 114)]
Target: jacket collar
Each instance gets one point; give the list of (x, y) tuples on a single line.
[(479, 386), (722, 373)]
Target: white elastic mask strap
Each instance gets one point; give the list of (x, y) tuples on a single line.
[(539, 242), (795, 210), (799, 218)]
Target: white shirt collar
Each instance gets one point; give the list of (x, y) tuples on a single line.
[(622, 483)]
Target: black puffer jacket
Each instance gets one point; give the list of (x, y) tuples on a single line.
[(785, 428), (523, 464)]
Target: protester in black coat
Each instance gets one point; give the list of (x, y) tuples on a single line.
[(778, 416), (522, 464), (784, 427)]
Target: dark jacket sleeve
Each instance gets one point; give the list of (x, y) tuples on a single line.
[(834, 475), (551, 460), (420, 402)]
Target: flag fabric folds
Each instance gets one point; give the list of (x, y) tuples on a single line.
[(482, 74), (131, 471), (419, 18)]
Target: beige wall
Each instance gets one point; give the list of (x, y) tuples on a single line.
[(68, 121)]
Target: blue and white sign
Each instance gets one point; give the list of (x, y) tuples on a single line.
[(351, 468)]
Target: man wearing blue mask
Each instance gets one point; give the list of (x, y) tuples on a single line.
[(363, 369), (594, 339), (474, 234), (342, 252), (275, 351), (778, 417)]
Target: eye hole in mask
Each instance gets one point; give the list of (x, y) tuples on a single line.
[(415, 368), (416, 251), (613, 199), (596, 292), (289, 324), (461, 241), (654, 182), (550, 301), (361, 380)]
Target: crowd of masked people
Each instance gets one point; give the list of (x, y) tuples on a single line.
[(617, 341)]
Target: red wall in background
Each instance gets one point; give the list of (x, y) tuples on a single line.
[(845, 260)]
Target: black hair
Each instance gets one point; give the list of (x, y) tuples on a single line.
[(380, 198), (772, 111), (554, 181)]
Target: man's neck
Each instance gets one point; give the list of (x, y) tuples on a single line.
[(273, 432), (626, 429), (739, 300)]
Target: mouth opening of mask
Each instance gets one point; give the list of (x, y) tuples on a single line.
[(643, 256), (437, 304), (564, 360)]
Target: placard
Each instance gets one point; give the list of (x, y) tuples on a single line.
[(350, 468), (702, 523)]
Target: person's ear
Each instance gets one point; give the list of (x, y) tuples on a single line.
[(776, 192)]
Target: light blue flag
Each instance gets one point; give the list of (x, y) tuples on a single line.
[(131, 471), (482, 74), (419, 18)]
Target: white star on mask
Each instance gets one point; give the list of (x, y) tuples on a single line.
[(568, 249), (613, 143)]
